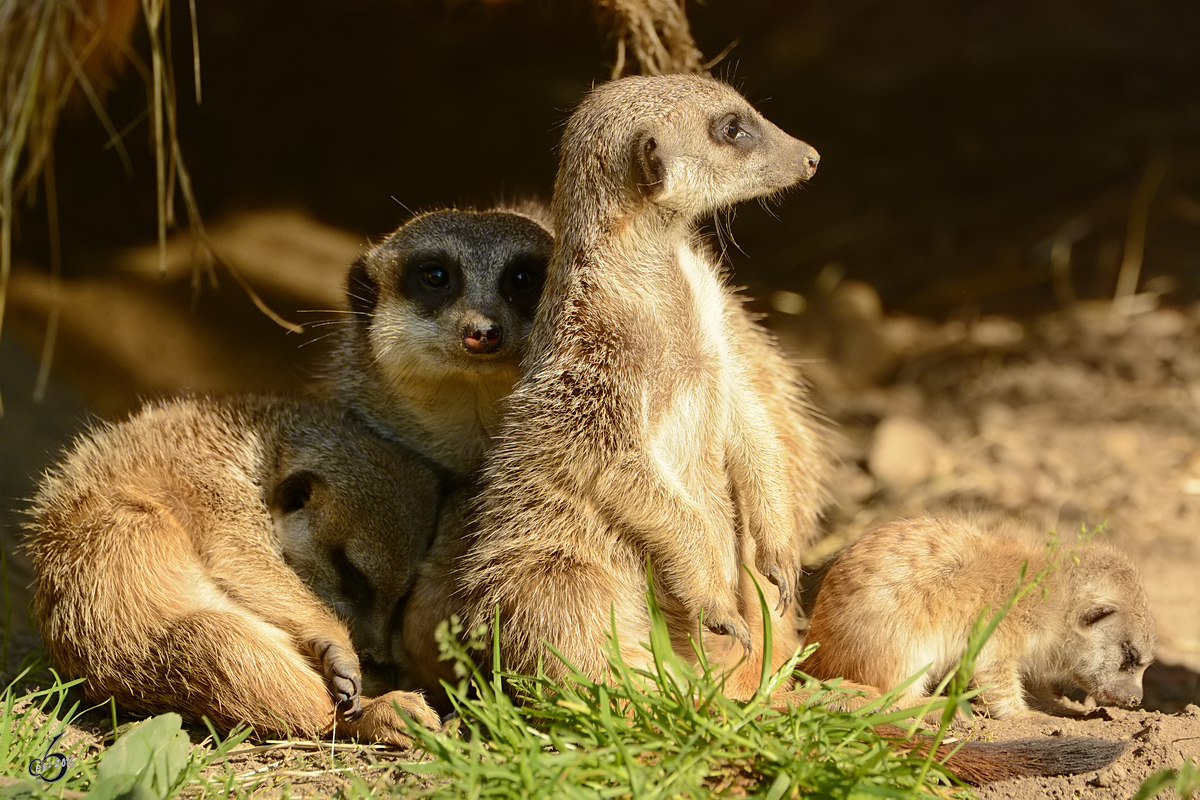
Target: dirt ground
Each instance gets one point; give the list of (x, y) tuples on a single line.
[(946, 280)]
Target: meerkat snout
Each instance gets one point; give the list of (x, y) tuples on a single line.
[(482, 336)]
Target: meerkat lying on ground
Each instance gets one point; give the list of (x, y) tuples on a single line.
[(162, 546), (441, 314), (906, 594), (440, 311), (655, 419)]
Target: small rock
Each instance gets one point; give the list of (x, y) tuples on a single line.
[(1192, 710), (904, 452), (1106, 778), (996, 331)]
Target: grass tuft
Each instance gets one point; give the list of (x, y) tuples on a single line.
[(663, 732)]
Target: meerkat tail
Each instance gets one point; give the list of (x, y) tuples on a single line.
[(233, 670), (987, 762)]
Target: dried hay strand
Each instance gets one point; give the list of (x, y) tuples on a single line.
[(658, 33), (52, 54)]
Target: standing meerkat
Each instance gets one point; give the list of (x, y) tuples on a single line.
[(906, 594), (162, 546), (655, 420), (440, 311)]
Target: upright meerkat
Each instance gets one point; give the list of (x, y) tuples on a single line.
[(655, 420), (162, 546), (905, 595), (441, 311)]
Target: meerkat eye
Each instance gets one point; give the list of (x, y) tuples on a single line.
[(521, 284), (430, 281), (1130, 657), (353, 585), (435, 276), (733, 129)]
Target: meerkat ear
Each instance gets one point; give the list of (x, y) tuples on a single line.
[(1096, 612), (293, 492), (362, 292), (650, 172)]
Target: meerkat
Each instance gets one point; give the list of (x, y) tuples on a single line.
[(644, 428), (905, 595), (440, 312), (655, 420), (180, 555)]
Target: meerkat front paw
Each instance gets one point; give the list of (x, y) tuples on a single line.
[(730, 625), (380, 721), (781, 569), (344, 676)]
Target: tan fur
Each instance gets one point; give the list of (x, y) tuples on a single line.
[(163, 543), (655, 420), (411, 361), (906, 594)]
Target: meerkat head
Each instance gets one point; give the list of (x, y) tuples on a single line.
[(354, 516), (1113, 631), (691, 145), (451, 290)]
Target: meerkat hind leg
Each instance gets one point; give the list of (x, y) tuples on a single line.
[(236, 669), (277, 595)]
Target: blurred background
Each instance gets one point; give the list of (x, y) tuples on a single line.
[(989, 171)]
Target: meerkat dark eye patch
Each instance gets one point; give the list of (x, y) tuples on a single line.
[(352, 584), (522, 282), (293, 492), (734, 129), (1131, 659), (1097, 613), (431, 282)]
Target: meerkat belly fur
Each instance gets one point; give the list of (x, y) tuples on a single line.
[(906, 594), (655, 420), (441, 310), (188, 559)]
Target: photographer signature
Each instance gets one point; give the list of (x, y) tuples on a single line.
[(51, 766)]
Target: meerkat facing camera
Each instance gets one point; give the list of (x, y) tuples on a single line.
[(654, 419), (162, 546), (441, 310), (906, 593)]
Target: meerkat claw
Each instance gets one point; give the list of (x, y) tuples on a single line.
[(345, 680), (738, 630), (786, 592)]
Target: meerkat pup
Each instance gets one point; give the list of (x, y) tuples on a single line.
[(655, 420), (441, 310), (905, 596), (180, 555)]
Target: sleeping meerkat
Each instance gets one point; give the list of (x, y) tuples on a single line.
[(162, 546), (440, 313), (906, 594), (655, 420)]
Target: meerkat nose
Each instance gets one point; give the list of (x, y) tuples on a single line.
[(809, 159), (483, 339)]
